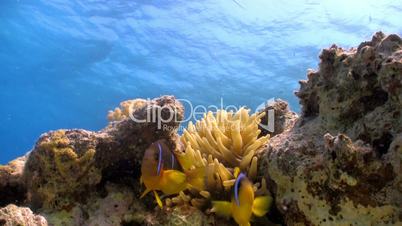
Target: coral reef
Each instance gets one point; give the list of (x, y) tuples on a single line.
[(220, 146), (224, 145), (341, 163), (66, 164), (68, 168)]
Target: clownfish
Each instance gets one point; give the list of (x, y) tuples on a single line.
[(244, 204), (160, 171)]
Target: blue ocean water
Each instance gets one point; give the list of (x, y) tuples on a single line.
[(65, 63)]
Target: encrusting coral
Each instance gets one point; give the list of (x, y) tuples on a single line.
[(61, 168)]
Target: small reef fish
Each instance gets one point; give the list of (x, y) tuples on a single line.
[(243, 205), (160, 171)]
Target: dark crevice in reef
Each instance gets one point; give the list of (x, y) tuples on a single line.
[(382, 144), (124, 173), (378, 98), (12, 194), (312, 107), (364, 105), (275, 216), (131, 223)]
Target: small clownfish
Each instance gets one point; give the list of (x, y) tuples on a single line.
[(243, 204), (160, 172)]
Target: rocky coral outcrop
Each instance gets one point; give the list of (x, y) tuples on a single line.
[(61, 168), (13, 215), (341, 163), (121, 145), (68, 168)]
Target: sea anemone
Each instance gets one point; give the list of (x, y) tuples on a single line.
[(212, 155), (221, 142)]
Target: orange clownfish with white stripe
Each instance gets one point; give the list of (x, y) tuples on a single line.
[(244, 204), (160, 171)]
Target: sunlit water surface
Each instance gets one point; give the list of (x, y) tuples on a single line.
[(65, 63)]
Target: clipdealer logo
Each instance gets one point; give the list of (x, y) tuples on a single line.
[(163, 115)]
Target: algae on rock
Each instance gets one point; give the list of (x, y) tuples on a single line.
[(61, 168)]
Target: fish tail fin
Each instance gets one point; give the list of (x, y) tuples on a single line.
[(158, 199), (145, 192), (261, 205), (222, 208)]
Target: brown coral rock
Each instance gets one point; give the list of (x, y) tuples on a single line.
[(61, 168), (121, 145), (12, 187), (353, 178), (66, 165)]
